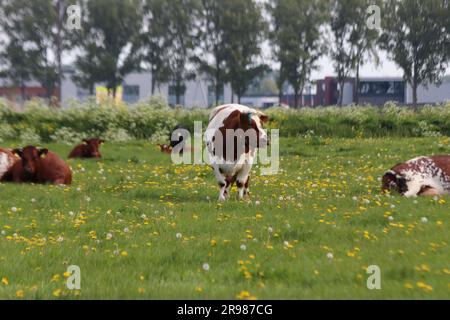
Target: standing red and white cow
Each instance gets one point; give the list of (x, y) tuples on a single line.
[(233, 136), (419, 177)]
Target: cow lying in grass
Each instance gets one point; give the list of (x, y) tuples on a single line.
[(423, 176), (233, 136), (88, 149), (38, 165)]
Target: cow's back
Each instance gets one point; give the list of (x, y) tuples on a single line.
[(52, 168)]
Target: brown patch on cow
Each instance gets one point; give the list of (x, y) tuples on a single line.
[(443, 162), (38, 165), (236, 120), (88, 149)]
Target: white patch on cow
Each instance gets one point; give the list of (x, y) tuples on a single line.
[(423, 172), (5, 163)]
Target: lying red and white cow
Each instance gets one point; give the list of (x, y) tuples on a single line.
[(7, 160), (423, 176), (233, 136), (88, 149), (38, 165)]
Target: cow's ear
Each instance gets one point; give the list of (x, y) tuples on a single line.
[(43, 152), (101, 141), (85, 141), (263, 118), (18, 152)]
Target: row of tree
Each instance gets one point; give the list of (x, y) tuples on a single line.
[(224, 40)]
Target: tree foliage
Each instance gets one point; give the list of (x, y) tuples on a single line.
[(109, 41), (416, 37), (296, 36)]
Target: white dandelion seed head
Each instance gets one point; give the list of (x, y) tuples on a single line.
[(205, 267), (391, 218), (14, 209), (109, 236), (243, 247), (423, 220), (270, 229), (330, 255), (179, 235)]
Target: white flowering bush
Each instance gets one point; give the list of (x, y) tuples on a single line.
[(7, 132), (153, 120), (117, 135), (29, 136), (66, 136)]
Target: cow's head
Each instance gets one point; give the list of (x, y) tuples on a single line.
[(393, 181), (92, 147), (255, 121), (165, 148), (30, 157)]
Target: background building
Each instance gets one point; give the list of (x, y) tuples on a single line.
[(262, 94)]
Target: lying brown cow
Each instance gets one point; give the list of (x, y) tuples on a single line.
[(7, 160), (88, 149), (38, 165), (423, 176), (165, 148)]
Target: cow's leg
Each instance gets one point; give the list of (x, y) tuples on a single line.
[(222, 184), (246, 187), (242, 179), (230, 181), (428, 191)]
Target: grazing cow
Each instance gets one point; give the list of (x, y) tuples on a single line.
[(7, 159), (233, 136), (165, 148), (38, 165), (88, 149), (423, 176)]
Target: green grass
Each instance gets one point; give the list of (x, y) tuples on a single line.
[(326, 198)]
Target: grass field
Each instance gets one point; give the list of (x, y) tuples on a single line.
[(141, 228)]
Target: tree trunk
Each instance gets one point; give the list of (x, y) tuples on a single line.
[(414, 88), (296, 98), (59, 40), (341, 92), (22, 91), (356, 93)]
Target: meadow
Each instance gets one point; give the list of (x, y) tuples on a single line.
[(140, 227)]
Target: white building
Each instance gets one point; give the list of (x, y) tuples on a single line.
[(200, 93)]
